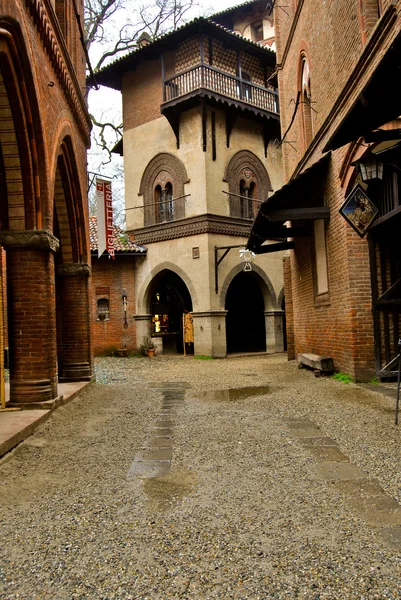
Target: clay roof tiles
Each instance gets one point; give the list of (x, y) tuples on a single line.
[(122, 242)]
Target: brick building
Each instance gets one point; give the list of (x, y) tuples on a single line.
[(113, 292), (338, 70), (201, 122), (44, 134)]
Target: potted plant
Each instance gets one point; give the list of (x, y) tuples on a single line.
[(148, 347)]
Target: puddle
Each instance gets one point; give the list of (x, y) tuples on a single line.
[(166, 492), (234, 394), (154, 460), (360, 397)]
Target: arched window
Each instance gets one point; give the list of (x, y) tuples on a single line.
[(164, 203), (162, 187), (248, 201), (169, 203), (248, 184), (306, 98)]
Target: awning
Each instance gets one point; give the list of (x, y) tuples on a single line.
[(377, 104), (299, 201)]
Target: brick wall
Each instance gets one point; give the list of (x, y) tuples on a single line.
[(109, 278), (331, 36), (45, 79)]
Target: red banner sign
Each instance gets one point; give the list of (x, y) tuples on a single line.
[(105, 233)]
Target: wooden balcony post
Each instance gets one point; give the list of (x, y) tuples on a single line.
[(163, 76), (202, 59), (239, 69)]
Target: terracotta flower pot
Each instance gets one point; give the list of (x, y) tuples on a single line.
[(151, 352)]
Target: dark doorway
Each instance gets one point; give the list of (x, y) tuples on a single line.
[(245, 321), (169, 300)]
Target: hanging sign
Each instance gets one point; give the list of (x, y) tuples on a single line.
[(358, 210), (104, 199)]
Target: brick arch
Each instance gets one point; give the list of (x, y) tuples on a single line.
[(21, 136), (146, 288), (267, 289), (177, 175), (242, 160), (69, 218)]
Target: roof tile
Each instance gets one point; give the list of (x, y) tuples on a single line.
[(122, 242)]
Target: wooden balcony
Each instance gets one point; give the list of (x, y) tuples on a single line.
[(206, 80)]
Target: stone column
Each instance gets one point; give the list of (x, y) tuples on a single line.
[(143, 328), (75, 362), (210, 333), (31, 315), (274, 331)]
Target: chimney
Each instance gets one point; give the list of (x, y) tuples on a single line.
[(144, 40)]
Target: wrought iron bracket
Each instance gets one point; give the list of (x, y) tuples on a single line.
[(218, 260)]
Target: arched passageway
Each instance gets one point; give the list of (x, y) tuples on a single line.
[(72, 272), (169, 301), (245, 321)]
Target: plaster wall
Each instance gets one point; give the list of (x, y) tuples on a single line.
[(160, 138), (245, 135), (199, 273)]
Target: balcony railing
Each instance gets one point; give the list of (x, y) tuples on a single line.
[(224, 84)]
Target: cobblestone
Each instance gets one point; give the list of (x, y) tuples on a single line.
[(244, 511)]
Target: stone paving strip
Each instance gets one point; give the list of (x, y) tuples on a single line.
[(362, 494), (154, 460)]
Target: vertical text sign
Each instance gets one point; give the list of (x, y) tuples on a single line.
[(104, 217)]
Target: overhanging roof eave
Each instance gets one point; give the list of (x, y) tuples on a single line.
[(285, 205), (111, 74)]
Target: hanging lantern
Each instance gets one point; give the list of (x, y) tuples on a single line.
[(247, 256), (371, 168)]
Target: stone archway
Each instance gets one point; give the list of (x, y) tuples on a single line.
[(245, 321), (168, 300)]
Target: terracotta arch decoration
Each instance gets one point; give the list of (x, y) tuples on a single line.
[(68, 205), (239, 163), (22, 209), (173, 170)]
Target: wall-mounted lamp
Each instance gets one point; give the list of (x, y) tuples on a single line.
[(125, 304), (371, 168)]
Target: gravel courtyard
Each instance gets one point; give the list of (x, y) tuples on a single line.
[(184, 478)]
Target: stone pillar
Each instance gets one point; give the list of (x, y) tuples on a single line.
[(274, 331), (289, 308), (75, 362), (143, 328), (210, 333), (31, 315)]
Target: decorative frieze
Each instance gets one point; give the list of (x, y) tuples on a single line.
[(41, 239), (192, 226)]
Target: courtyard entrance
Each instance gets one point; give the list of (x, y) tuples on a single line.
[(170, 300), (245, 321)]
